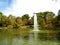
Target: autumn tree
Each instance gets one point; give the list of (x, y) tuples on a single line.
[(4, 21), (49, 19), (11, 20), (44, 18), (19, 22)]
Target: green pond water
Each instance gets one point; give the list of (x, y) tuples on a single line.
[(17, 41), (31, 39)]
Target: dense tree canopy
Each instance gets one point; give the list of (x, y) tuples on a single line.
[(58, 17), (25, 16), (45, 19), (1, 18)]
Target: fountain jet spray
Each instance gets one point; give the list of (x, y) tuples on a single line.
[(35, 23)]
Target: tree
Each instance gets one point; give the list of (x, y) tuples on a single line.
[(25, 16), (44, 18), (58, 20), (11, 20), (32, 20), (1, 14), (4, 20), (41, 19), (58, 17), (19, 22), (49, 17), (25, 19)]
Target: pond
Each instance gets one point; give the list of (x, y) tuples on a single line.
[(31, 39)]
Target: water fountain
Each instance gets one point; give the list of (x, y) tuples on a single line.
[(33, 37), (35, 23), (35, 30)]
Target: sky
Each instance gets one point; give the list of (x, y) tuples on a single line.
[(21, 7)]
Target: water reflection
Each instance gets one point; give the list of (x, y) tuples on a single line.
[(4, 42), (33, 39), (18, 41)]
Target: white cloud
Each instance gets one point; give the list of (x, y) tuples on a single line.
[(20, 7)]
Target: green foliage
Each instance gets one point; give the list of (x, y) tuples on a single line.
[(1, 18), (19, 22), (25, 19), (45, 20), (25, 16), (58, 17)]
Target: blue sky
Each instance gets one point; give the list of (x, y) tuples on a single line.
[(5, 4), (20, 7)]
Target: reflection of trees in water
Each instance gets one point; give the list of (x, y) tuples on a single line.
[(5, 39), (33, 39), (10, 40)]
